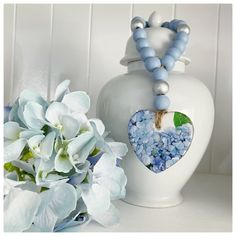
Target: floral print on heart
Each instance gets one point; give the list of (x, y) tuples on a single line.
[(160, 149)]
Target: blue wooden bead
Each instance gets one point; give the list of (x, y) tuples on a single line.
[(165, 24), (182, 36), (177, 23), (160, 74), (174, 52), (179, 44), (152, 63), (139, 34), (173, 24), (141, 43), (168, 61), (147, 52), (161, 102)]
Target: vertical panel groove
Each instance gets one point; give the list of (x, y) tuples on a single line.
[(174, 11), (215, 85), (13, 53), (131, 11), (89, 47), (50, 50)]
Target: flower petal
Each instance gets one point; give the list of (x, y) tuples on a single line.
[(78, 101), (55, 111), (79, 221), (107, 174), (99, 125), (27, 167), (34, 143), (115, 181), (62, 162), (79, 142), (76, 179), (70, 126), (83, 120), (9, 184), (44, 177), (61, 90), (34, 115), (118, 149), (75, 217), (27, 134), (13, 114), (7, 110), (82, 167), (100, 144), (20, 208), (109, 218), (12, 130), (12, 151), (105, 163), (85, 151), (25, 97), (57, 203), (30, 186), (44, 164), (46, 146), (97, 199)]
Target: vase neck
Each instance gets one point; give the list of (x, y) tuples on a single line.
[(139, 65)]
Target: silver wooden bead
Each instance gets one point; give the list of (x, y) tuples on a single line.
[(160, 87), (183, 28), (137, 22)]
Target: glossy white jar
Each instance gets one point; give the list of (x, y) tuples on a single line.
[(124, 95)]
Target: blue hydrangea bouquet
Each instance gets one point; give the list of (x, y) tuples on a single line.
[(61, 170)]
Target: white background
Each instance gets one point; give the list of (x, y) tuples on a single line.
[(45, 44)]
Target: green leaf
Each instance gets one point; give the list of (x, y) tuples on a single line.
[(20, 173), (43, 189), (83, 130), (46, 129), (86, 179), (9, 167), (28, 155), (180, 119), (95, 152)]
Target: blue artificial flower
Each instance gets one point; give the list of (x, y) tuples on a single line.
[(57, 162), (7, 110)]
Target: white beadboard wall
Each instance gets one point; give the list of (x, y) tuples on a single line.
[(46, 43)]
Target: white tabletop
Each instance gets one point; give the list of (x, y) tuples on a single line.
[(206, 207)]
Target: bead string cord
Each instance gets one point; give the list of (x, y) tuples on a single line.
[(160, 67), (158, 117)]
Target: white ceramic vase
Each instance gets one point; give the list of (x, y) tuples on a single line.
[(124, 95)]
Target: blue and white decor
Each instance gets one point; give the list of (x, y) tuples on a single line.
[(60, 169), (159, 149), (173, 111)]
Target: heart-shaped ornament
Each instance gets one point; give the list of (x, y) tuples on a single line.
[(160, 139)]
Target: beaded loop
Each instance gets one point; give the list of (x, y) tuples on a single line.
[(139, 34), (141, 43), (137, 22), (147, 52), (152, 63), (160, 74), (159, 68), (161, 102)]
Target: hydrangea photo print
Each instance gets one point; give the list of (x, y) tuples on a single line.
[(160, 149)]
